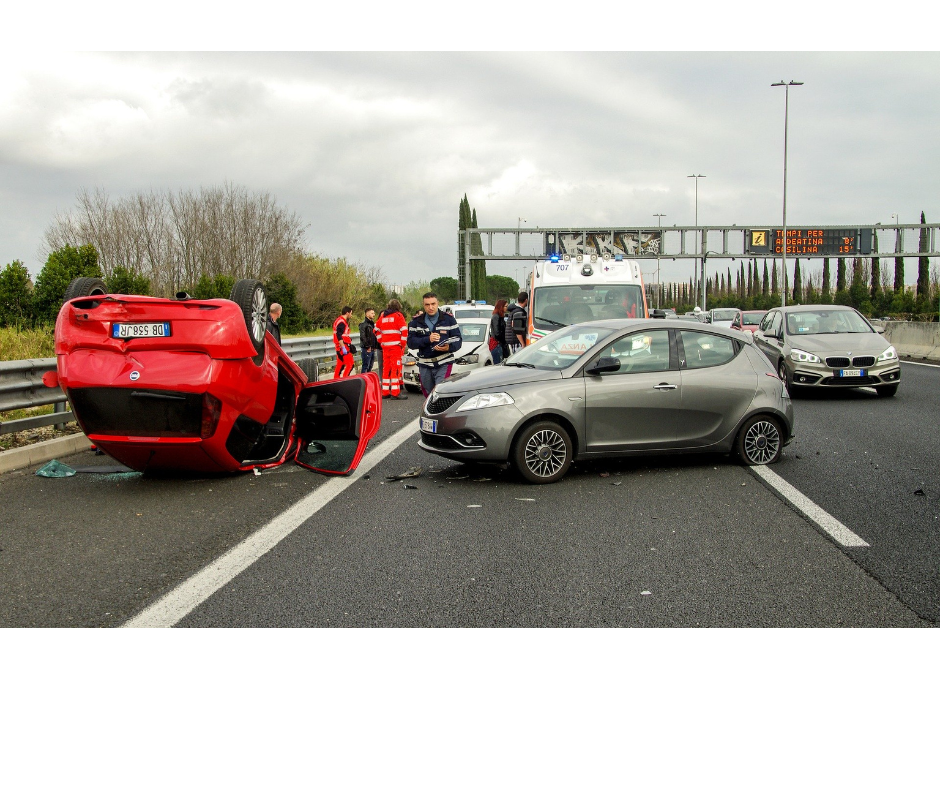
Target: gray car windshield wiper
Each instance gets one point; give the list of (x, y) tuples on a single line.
[(553, 322), (518, 364)]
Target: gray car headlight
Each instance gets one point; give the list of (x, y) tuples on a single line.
[(478, 401), (802, 355), (470, 358), (889, 354)]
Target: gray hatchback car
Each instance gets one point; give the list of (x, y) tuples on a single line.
[(611, 389), (815, 345)]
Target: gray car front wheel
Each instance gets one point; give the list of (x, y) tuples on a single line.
[(760, 441), (542, 452)]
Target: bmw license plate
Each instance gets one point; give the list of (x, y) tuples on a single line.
[(140, 330), (851, 373), (428, 425)]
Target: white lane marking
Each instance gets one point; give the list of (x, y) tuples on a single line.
[(921, 364), (817, 514), (171, 608)]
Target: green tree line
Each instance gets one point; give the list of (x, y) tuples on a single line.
[(311, 289)]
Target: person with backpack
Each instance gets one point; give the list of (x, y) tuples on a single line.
[(517, 318), (368, 340)]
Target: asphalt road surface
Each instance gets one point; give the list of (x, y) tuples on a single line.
[(680, 542)]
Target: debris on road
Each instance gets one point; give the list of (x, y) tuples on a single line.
[(474, 506), (410, 487), (616, 484), (411, 473), (525, 499), (257, 471), (56, 470), (604, 475), (919, 492), (646, 593)]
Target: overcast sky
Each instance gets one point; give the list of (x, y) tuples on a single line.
[(374, 151)]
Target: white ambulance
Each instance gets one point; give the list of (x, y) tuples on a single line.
[(566, 289)]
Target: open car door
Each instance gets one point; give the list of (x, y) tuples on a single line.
[(335, 421)]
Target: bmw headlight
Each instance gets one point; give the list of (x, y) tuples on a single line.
[(889, 354), (470, 358), (478, 401), (802, 355)]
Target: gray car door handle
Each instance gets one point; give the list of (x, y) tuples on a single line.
[(664, 386)]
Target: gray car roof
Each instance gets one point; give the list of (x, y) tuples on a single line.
[(658, 322)]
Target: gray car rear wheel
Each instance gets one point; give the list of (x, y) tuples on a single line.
[(542, 452), (760, 441)]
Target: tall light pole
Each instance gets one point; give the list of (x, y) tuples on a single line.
[(786, 114), (697, 234), (659, 251)]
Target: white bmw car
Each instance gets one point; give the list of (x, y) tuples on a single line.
[(474, 352)]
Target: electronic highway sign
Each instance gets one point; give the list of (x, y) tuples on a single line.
[(810, 241)]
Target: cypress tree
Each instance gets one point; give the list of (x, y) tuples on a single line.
[(827, 280), (463, 223), (774, 287), (722, 289), (923, 266), (764, 291), (898, 265), (477, 267), (840, 275), (742, 285), (797, 283), (875, 272)]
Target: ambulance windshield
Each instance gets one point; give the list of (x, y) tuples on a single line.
[(556, 306)]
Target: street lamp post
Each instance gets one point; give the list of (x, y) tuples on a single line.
[(659, 251), (786, 114), (697, 233)]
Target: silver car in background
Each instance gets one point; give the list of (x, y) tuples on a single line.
[(474, 351), (613, 388), (816, 345)]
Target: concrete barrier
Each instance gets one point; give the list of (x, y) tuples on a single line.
[(914, 340)]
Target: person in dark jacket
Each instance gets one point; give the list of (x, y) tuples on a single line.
[(435, 336), (516, 319), (273, 316), (367, 340)]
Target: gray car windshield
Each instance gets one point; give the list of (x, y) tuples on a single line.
[(827, 321), (559, 350)]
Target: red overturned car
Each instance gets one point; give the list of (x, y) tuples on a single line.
[(180, 384)]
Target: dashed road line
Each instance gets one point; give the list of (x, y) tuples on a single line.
[(182, 600), (816, 513)]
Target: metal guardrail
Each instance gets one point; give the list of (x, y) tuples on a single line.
[(21, 383)]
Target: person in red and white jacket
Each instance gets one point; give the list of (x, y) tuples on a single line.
[(391, 330), (342, 341)]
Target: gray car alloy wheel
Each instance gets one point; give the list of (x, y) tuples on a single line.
[(545, 453), (542, 452), (760, 442)]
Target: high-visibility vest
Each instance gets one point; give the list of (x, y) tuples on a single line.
[(391, 330), (343, 339)]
